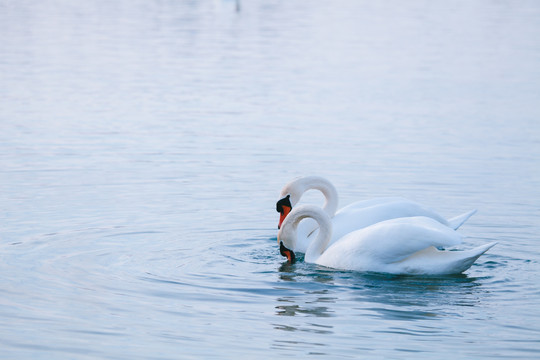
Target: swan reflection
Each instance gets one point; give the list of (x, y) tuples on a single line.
[(307, 309), (315, 301), (320, 292)]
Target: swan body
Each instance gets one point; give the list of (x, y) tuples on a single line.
[(397, 246), (355, 216)]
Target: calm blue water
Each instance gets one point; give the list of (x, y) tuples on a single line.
[(143, 145)]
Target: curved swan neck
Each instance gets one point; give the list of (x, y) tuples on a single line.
[(288, 235), (298, 187), (319, 245)]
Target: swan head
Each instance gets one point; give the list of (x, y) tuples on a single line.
[(289, 254), (295, 188), (284, 207), (287, 235), (292, 192)]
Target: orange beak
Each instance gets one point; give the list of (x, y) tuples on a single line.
[(284, 213)]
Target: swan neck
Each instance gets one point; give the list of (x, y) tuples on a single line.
[(331, 197), (318, 246), (300, 186)]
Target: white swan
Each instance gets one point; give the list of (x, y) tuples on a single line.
[(354, 216), (396, 246)]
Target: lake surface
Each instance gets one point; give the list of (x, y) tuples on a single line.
[(143, 145)]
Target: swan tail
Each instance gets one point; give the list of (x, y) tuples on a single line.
[(480, 250), (457, 221), (436, 262), (471, 256)]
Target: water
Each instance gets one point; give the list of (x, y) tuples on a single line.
[(143, 145)]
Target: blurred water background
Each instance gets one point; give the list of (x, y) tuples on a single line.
[(143, 145)]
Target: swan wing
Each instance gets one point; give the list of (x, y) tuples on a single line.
[(391, 207), (435, 262), (387, 242), (368, 203), (356, 218)]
